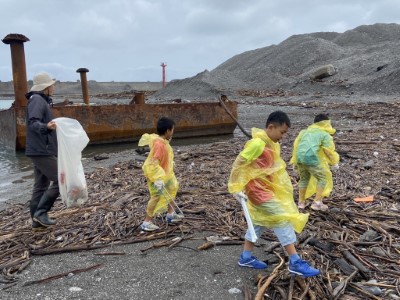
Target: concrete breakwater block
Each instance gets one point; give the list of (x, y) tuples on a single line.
[(322, 72)]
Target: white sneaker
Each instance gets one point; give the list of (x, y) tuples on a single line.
[(174, 217), (318, 205), (302, 204), (149, 226)]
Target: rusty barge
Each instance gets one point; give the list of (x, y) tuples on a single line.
[(113, 123)]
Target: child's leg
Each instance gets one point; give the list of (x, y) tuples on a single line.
[(147, 225), (302, 194), (302, 198), (287, 238), (303, 183), (174, 214), (248, 245), (320, 175), (171, 187), (318, 194), (151, 205), (246, 258)]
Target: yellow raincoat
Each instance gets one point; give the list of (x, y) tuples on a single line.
[(261, 173), (159, 165), (314, 147)]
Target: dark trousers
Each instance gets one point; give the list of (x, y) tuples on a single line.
[(44, 194)]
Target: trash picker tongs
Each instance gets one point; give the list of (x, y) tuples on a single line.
[(170, 201), (248, 220)]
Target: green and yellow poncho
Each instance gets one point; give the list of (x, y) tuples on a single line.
[(314, 146)]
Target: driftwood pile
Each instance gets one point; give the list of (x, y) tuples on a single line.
[(354, 244), (264, 93), (122, 95)]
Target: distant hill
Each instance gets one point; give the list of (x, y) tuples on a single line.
[(75, 88), (366, 60)]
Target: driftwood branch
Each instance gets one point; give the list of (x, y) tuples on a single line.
[(233, 118), (77, 271), (261, 290), (339, 290)]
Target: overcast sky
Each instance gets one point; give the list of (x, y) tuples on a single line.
[(126, 40)]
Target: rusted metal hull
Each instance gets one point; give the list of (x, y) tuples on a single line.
[(126, 123)]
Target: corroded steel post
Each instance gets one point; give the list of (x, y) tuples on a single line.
[(16, 42), (84, 84), (139, 98)]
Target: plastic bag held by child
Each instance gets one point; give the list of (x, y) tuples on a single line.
[(72, 139)]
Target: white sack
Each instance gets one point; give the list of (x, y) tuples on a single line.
[(72, 139)]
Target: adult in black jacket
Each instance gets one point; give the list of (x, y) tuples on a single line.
[(41, 148)]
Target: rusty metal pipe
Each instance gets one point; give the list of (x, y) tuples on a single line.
[(139, 98), (85, 90), (16, 42)]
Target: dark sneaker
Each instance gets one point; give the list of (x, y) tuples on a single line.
[(301, 267), (37, 226), (252, 262), (44, 220)]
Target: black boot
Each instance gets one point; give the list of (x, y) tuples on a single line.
[(33, 204), (43, 219), (43, 207), (37, 226)]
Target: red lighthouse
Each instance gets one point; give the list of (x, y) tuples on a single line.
[(163, 65)]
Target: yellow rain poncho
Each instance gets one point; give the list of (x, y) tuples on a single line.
[(314, 147), (159, 165), (261, 173)]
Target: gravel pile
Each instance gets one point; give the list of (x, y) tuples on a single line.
[(366, 59)]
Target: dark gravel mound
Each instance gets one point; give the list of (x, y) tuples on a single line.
[(366, 59)]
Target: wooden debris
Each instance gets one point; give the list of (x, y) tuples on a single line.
[(339, 242), (262, 287), (73, 272)]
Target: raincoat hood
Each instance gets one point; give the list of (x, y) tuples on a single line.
[(324, 125), (148, 140), (261, 134)]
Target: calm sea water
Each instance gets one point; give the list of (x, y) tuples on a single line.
[(14, 165), (4, 104)]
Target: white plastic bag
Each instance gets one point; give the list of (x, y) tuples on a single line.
[(72, 139)]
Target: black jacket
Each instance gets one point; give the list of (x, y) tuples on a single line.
[(40, 141)]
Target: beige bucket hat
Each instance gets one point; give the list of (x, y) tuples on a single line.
[(41, 81)]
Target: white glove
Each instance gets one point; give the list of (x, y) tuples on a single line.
[(239, 196), (335, 167), (159, 185)]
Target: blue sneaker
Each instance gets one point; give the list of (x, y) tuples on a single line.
[(252, 262), (301, 267)]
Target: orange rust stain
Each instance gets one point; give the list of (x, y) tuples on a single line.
[(122, 123)]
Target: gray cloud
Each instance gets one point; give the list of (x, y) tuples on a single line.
[(126, 40)]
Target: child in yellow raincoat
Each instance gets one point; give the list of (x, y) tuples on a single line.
[(159, 171), (313, 153), (259, 174)]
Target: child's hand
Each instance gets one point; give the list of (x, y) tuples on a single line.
[(159, 185), (239, 196)]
